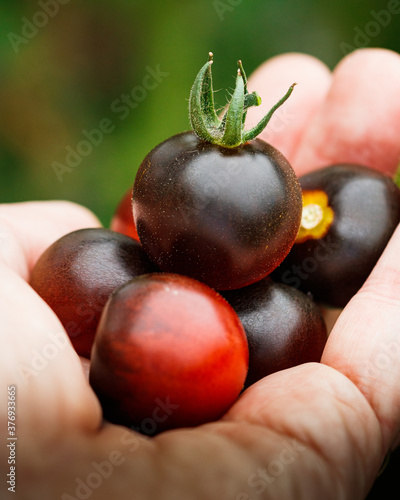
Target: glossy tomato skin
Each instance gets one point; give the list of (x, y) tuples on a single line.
[(78, 272), (225, 216), (284, 327), (167, 341), (366, 207), (122, 219)]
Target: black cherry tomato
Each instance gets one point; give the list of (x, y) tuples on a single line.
[(78, 272), (349, 215), (225, 216), (216, 203), (284, 327)]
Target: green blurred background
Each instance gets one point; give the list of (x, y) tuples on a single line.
[(65, 67)]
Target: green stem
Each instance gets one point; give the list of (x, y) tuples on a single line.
[(255, 131), (197, 113), (207, 96), (250, 100), (233, 125), (246, 92), (228, 132)]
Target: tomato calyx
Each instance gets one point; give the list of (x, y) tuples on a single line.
[(228, 131)]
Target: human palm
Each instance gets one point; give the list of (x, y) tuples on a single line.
[(319, 430)]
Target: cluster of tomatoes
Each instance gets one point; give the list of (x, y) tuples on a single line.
[(209, 277)]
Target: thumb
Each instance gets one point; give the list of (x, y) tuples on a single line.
[(365, 342)]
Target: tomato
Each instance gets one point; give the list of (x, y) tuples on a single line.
[(78, 272), (214, 204), (122, 219), (349, 215), (167, 341), (284, 327)]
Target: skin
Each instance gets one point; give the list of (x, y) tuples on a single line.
[(310, 432)]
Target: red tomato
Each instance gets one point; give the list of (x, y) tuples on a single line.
[(122, 220), (169, 352)]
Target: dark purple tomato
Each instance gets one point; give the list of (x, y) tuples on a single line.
[(77, 273), (225, 216), (349, 215), (284, 327), (169, 352)]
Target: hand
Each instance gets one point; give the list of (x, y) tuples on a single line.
[(314, 431)]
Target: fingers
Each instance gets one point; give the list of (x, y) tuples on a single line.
[(347, 409), (36, 355), (271, 80), (359, 120), (239, 458), (327, 419), (27, 229), (37, 358), (365, 342), (351, 116)]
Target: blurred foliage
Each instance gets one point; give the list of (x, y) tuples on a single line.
[(68, 71)]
